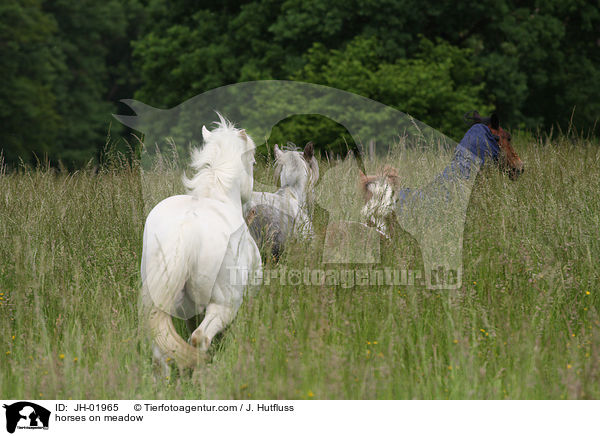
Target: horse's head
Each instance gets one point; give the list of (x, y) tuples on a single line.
[(298, 170), (378, 195), (248, 162), (509, 161)]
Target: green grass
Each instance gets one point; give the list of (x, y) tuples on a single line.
[(525, 324)]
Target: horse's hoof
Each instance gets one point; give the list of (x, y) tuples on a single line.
[(200, 341)]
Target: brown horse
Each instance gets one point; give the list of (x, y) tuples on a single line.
[(383, 195), (434, 214), (508, 160)]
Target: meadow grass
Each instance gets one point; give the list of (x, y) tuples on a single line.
[(524, 325)]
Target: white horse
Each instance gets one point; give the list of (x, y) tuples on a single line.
[(197, 249), (273, 217)]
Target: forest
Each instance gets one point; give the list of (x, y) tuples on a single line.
[(65, 65)]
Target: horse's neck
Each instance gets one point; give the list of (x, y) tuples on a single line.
[(297, 192), (231, 197)]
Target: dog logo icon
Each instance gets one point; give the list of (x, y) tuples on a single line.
[(26, 415)]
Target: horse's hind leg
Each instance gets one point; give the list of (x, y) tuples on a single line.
[(217, 317)]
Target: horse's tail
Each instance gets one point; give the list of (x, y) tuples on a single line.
[(163, 278), (168, 340)]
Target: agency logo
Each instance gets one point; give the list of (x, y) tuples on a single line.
[(409, 175), (26, 415)]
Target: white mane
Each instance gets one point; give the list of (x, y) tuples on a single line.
[(380, 204), (294, 171), (220, 162)]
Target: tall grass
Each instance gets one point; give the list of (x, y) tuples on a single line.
[(524, 324)]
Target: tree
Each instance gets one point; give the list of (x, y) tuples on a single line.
[(537, 60), (87, 37), (28, 108), (437, 86), (64, 65)]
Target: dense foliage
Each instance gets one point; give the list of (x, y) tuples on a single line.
[(66, 64)]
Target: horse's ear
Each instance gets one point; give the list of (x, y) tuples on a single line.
[(390, 171), (205, 133), (494, 121), (362, 176), (309, 151), (391, 174), (278, 153), (243, 134), (476, 117), (363, 179), (472, 117)]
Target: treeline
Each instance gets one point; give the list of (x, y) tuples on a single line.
[(66, 64)]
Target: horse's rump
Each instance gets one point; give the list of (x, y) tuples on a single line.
[(185, 241)]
